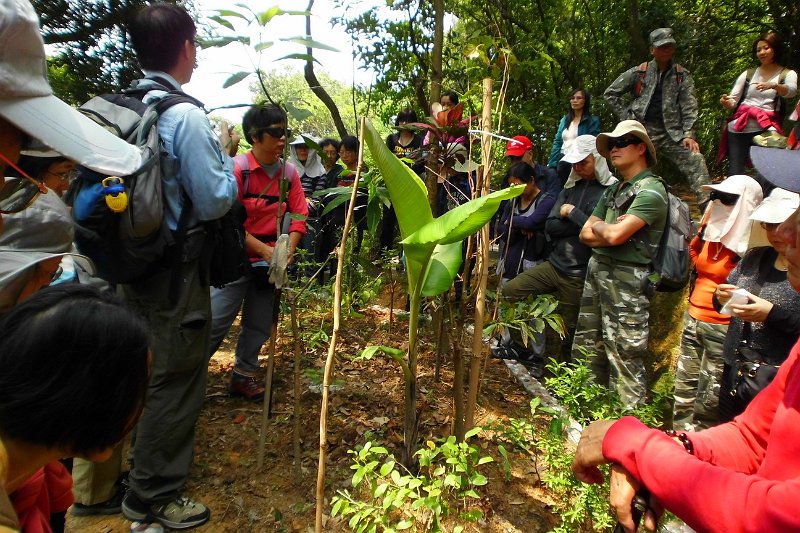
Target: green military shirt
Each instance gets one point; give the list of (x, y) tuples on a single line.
[(649, 204)]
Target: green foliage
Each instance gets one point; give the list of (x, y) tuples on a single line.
[(309, 115), (528, 317), (582, 507), (586, 401), (90, 41), (389, 497), (394, 41), (432, 246)]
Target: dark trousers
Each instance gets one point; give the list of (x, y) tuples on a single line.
[(163, 441), (739, 151)]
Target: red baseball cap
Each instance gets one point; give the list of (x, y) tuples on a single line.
[(518, 145)]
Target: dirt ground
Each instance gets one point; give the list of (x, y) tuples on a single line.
[(368, 398)]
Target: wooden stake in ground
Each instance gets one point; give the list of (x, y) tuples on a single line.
[(337, 317), (478, 348)]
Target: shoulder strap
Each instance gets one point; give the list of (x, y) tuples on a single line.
[(641, 73), (244, 166), (680, 72), (780, 101), (747, 77)]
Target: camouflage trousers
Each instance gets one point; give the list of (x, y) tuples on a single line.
[(698, 375), (613, 326), (692, 165)]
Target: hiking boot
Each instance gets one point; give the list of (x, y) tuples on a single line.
[(534, 363), (110, 506), (180, 513), (246, 386)]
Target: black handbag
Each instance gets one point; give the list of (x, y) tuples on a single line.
[(748, 374), (742, 380)]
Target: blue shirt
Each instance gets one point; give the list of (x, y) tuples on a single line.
[(194, 163)]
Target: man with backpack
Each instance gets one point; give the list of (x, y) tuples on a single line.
[(661, 96), (198, 186), (626, 225), (564, 271)]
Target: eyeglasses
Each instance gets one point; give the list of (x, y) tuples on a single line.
[(67, 176), (770, 226), (725, 198), (277, 133), (622, 142)]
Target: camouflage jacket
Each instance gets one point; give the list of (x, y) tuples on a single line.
[(679, 103)]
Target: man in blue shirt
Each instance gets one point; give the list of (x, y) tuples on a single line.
[(164, 38)]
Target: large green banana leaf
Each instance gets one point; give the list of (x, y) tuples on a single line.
[(432, 246)]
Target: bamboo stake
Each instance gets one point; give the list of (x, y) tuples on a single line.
[(296, 411), (337, 317), (478, 352)]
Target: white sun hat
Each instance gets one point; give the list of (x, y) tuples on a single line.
[(27, 101)]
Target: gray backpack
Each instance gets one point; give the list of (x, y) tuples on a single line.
[(120, 219)]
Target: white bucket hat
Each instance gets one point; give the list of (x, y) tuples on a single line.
[(775, 209), (27, 101)]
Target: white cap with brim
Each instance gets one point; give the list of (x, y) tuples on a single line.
[(779, 167), (582, 147), (774, 209), (633, 127), (459, 160), (732, 184), (15, 262), (27, 101)]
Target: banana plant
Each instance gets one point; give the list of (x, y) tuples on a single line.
[(432, 248)]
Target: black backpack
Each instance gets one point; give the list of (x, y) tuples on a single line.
[(671, 260)]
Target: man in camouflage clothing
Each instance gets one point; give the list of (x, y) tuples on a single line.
[(662, 98), (627, 222)]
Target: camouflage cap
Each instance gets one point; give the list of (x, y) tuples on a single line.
[(661, 37)]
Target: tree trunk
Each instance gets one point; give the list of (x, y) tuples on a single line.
[(433, 169), (478, 348), (639, 47), (437, 75), (314, 85)]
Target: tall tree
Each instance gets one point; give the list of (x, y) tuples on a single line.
[(91, 39), (397, 46)]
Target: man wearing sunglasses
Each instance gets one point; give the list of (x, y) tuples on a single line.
[(260, 174), (627, 222), (660, 94)]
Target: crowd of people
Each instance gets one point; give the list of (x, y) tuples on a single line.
[(87, 361)]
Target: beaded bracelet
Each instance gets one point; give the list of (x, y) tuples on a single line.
[(683, 438)]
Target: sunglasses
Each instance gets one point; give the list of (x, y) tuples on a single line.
[(622, 142), (725, 198), (275, 132)]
